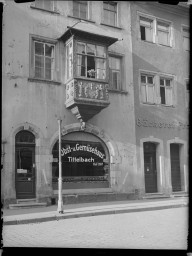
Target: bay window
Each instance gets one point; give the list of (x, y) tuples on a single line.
[(91, 61)]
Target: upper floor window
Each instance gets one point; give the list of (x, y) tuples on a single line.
[(80, 9), (110, 13), (166, 91), (147, 89), (187, 92), (155, 30), (44, 4), (146, 29), (91, 60), (186, 42), (115, 73)]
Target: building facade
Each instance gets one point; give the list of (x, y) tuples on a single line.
[(94, 66)]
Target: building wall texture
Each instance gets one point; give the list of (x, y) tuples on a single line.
[(28, 104)]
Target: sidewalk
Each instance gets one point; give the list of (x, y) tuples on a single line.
[(35, 215)]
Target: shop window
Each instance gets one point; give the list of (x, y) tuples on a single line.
[(80, 9), (91, 61), (110, 13), (82, 160), (186, 42), (147, 89), (42, 60), (45, 5), (146, 29), (115, 74), (166, 91)]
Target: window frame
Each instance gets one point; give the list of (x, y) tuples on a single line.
[(171, 79), (44, 41), (53, 2), (154, 21), (116, 20), (120, 57), (184, 27), (87, 9), (75, 60), (146, 84)]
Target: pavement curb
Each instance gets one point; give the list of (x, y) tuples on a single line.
[(88, 214)]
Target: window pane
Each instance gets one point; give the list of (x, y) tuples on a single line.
[(81, 48), (161, 81), (48, 63), (39, 72), (162, 94), (39, 61), (163, 38), (148, 34), (150, 94), (100, 68), (169, 96), (168, 82), (143, 93), (91, 49), (83, 10), (81, 65), (48, 5), (48, 74), (150, 79), (162, 26), (100, 51), (112, 18), (145, 22), (114, 63), (115, 80), (143, 79), (142, 30), (39, 48), (49, 50), (75, 9)]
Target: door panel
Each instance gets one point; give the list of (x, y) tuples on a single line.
[(25, 172), (175, 167), (150, 168)]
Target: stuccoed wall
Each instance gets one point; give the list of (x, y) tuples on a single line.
[(38, 105)]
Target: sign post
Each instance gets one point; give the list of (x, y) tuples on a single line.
[(60, 199)]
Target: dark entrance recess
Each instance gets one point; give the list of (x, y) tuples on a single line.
[(150, 167), (25, 165), (175, 167)]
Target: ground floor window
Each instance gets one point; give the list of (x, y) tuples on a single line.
[(84, 159)]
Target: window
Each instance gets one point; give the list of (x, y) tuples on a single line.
[(80, 9), (156, 31), (110, 13), (147, 89), (166, 91), (91, 61), (115, 73), (43, 60), (44, 4), (187, 93), (186, 42), (163, 33), (146, 29)]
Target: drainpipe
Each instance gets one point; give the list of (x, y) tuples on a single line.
[(60, 199)]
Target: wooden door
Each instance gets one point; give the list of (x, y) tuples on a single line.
[(25, 172), (175, 167), (150, 167)]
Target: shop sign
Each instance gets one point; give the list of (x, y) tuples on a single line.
[(85, 148), (157, 124)]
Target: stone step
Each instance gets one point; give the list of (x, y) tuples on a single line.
[(155, 196), (27, 205), (27, 201)]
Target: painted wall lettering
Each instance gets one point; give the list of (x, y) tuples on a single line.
[(160, 124)]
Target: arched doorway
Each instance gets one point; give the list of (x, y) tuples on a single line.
[(85, 162), (25, 165)]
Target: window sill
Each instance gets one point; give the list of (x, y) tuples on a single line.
[(41, 9), (108, 25), (70, 16), (154, 43), (117, 91), (90, 79), (38, 80)]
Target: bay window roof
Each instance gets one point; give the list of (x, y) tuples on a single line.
[(99, 35)]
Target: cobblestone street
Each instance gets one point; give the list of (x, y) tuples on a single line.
[(161, 229)]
